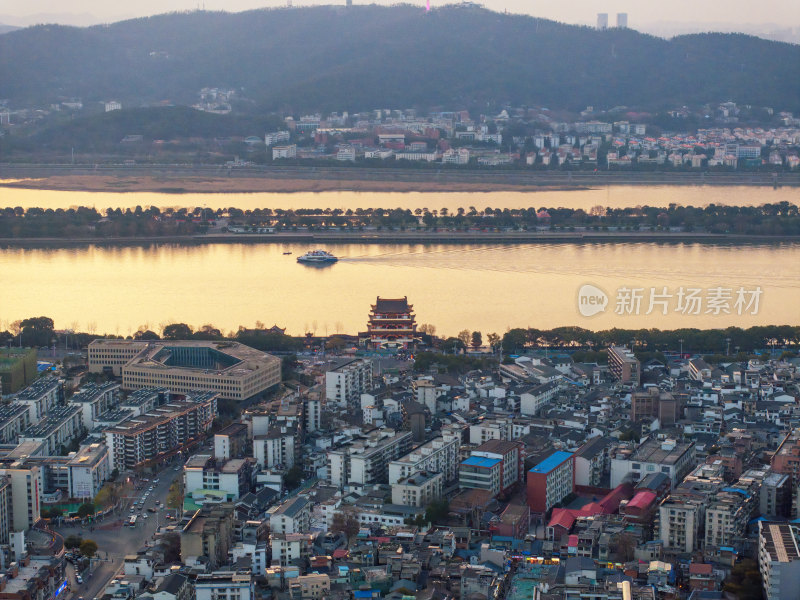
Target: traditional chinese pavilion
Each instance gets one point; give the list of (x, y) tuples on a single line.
[(391, 324)]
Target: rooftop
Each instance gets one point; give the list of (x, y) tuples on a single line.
[(479, 461), (666, 452), (551, 462), (54, 419)]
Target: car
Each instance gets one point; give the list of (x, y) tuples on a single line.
[(78, 578), (158, 502), (133, 508), (155, 480), (144, 515)]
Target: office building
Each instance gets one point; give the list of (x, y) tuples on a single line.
[(550, 481), (233, 370), (624, 365)]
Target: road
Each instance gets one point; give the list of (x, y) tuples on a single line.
[(116, 540)]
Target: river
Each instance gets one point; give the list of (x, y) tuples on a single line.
[(488, 288), (611, 197)]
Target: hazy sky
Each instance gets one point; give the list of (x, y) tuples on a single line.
[(784, 13)]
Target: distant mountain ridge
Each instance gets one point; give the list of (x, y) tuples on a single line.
[(363, 57), (7, 28)]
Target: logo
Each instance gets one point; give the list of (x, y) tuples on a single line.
[(591, 300)]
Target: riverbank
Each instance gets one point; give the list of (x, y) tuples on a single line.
[(410, 237), (212, 179)]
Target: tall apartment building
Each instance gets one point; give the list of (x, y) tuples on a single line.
[(602, 21), (367, 461), (40, 397), (209, 533), (224, 585), (549, 482), (622, 20), (624, 365), (235, 371), (786, 461), (654, 403), (779, 559), (679, 519), (440, 455), (511, 458), (14, 419), (234, 476), (276, 448), (592, 461), (25, 494), (94, 400), (419, 489), (17, 369), (293, 516), (153, 435), (727, 516), (345, 383), (57, 430)]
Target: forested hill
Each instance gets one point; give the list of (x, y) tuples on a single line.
[(364, 57)]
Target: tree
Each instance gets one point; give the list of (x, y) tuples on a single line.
[(86, 510), (88, 548), (464, 336), (177, 331), (37, 331), (452, 345), (294, 477), (172, 547), (346, 522), (437, 511), (72, 541), (145, 335), (494, 340), (745, 581), (477, 339)]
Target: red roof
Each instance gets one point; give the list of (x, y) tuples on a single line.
[(563, 518), (699, 569), (572, 541), (642, 499), (340, 553)]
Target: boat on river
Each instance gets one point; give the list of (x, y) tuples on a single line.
[(317, 257)]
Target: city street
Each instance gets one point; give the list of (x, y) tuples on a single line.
[(115, 539)]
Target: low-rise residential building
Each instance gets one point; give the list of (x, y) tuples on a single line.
[(674, 459), (293, 516), (224, 585)]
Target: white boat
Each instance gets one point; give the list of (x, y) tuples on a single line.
[(317, 257)]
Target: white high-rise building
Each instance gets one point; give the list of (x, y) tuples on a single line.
[(622, 20), (602, 20)]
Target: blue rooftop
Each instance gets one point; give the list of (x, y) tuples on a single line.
[(551, 462), (480, 461)]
